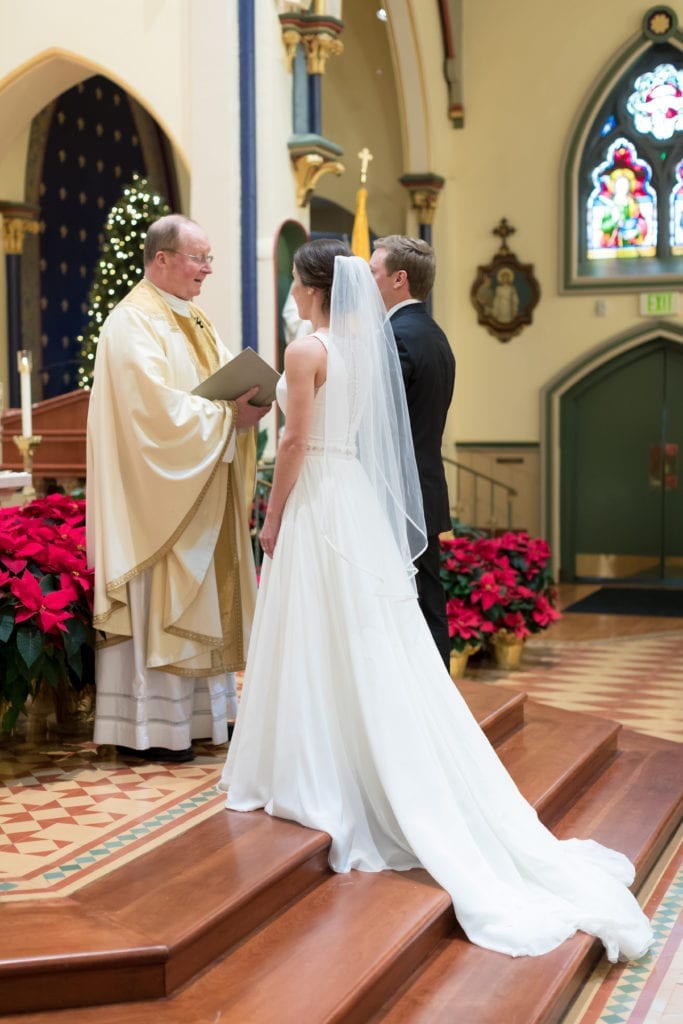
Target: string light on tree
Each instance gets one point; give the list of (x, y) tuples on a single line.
[(120, 264)]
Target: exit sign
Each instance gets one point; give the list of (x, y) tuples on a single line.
[(659, 303)]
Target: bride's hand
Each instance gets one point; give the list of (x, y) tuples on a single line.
[(269, 532)]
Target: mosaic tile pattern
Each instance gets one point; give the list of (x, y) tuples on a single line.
[(637, 681), (70, 814), (650, 991)]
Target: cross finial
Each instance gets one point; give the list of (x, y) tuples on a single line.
[(503, 230), (365, 156)]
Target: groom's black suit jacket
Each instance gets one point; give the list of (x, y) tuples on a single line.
[(428, 366)]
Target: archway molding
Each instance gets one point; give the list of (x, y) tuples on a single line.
[(35, 83)]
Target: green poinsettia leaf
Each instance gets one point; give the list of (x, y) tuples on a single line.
[(30, 645), (49, 583), (75, 662), (6, 624), (75, 636), (51, 672)]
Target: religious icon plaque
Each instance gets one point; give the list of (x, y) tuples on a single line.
[(505, 291)]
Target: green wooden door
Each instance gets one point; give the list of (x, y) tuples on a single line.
[(672, 468), (621, 438)]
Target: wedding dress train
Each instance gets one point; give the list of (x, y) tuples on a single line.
[(349, 723)]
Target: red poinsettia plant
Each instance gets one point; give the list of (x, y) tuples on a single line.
[(46, 633), (494, 584)]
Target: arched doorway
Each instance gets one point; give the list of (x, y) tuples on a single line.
[(621, 439), (75, 165)]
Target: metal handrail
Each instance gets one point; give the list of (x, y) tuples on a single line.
[(264, 484), (510, 492)]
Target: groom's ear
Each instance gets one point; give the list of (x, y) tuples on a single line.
[(400, 279)]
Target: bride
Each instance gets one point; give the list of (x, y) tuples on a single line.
[(349, 722)]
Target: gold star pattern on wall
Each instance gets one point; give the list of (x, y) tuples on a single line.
[(94, 130)]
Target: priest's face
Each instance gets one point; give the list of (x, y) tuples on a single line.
[(184, 268)]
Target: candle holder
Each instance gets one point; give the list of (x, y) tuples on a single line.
[(27, 447)]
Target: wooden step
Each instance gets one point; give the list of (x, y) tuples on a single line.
[(557, 756), (635, 806), (144, 929), (332, 947), (138, 923), (497, 716), (348, 944)]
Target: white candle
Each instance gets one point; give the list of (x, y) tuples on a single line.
[(24, 361)]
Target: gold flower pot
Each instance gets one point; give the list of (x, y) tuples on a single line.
[(74, 710), (39, 707), (507, 649), (459, 660)]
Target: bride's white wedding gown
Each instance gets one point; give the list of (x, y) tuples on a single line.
[(349, 723)]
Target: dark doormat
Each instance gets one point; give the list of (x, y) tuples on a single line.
[(665, 602)]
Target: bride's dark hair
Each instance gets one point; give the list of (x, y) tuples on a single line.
[(314, 262)]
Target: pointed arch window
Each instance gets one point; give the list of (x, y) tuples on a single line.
[(624, 173), (676, 207)]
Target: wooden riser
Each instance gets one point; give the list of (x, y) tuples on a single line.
[(138, 922), (634, 806), (146, 928), (331, 947)]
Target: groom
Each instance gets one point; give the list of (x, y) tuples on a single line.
[(404, 270)]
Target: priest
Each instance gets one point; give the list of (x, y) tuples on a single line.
[(170, 484)]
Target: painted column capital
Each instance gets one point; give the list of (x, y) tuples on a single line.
[(312, 156), (424, 192), (18, 220), (318, 34)]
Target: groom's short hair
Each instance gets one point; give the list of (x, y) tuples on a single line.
[(413, 255)]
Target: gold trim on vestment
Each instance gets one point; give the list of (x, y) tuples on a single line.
[(110, 640), (164, 549), (223, 652), (147, 299)]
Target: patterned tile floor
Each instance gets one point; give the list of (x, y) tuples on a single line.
[(637, 680), (70, 813)]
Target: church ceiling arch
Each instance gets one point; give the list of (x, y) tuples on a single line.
[(412, 88)]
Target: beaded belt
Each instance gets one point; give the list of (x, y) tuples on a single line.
[(338, 450)]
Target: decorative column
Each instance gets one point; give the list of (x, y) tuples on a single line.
[(310, 40), (424, 192), (18, 220), (248, 164)]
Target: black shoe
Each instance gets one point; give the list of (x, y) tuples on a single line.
[(162, 754)]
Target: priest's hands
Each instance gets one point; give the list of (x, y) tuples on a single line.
[(249, 415)]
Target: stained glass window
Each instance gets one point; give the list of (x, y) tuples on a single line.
[(676, 206), (656, 103), (629, 212), (622, 208)]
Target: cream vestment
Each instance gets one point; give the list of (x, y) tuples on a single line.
[(170, 484)]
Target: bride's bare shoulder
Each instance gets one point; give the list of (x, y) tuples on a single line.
[(308, 351)]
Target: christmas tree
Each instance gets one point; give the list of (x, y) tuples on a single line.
[(120, 263)]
